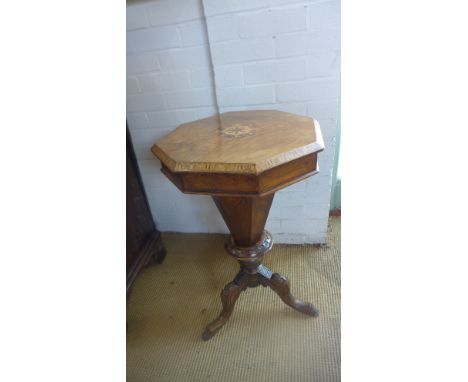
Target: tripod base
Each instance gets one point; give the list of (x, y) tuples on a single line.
[(253, 274)]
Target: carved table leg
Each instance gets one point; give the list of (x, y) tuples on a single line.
[(280, 284), (251, 276), (229, 296)]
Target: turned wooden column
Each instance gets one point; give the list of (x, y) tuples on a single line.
[(241, 159)]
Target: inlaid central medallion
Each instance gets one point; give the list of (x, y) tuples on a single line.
[(236, 131)]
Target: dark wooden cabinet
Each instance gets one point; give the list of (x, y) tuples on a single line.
[(143, 239)]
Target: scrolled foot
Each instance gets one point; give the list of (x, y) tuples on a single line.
[(280, 284), (207, 334), (229, 296)]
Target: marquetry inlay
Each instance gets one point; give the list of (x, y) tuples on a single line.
[(236, 131)]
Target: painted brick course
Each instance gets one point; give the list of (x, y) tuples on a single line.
[(242, 51), (172, 118), (272, 21), (190, 98), (275, 71), (142, 62), (133, 87), (225, 26), (165, 12), (308, 91), (153, 39), (137, 17), (313, 42), (252, 95), (228, 76), (202, 78), (193, 33), (145, 102), (213, 7), (183, 59), (157, 82), (137, 120)]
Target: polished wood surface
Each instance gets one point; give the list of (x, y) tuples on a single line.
[(241, 159), (244, 216), (247, 142), (244, 280), (262, 184)]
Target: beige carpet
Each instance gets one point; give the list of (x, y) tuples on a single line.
[(264, 340)]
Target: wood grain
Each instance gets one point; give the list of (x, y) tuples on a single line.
[(265, 183), (252, 274), (244, 216), (247, 142)]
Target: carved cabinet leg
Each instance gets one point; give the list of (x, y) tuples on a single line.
[(229, 296), (159, 251), (280, 284)]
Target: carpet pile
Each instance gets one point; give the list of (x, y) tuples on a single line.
[(264, 340)]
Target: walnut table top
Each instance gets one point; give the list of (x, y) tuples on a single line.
[(240, 145)]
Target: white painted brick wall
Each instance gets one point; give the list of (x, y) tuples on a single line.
[(269, 22), (324, 14), (193, 33), (185, 59), (153, 39), (275, 71), (293, 46), (252, 95), (313, 90), (137, 120), (213, 7), (137, 17), (226, 29), (133, 87), (229, 76), (202, 78), (142, 62), (190, 98), (145, 102), (313, 42), (169, 82), (242, 51), (265, 54), (170, 118), (204, 112), (165, 12), (158, 82)]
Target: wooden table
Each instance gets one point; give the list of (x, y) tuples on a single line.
[(241, 159)]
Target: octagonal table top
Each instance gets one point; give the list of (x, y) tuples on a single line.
[(244, 142)]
